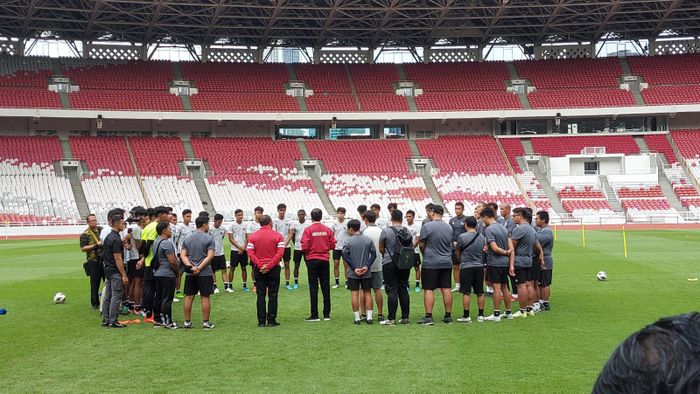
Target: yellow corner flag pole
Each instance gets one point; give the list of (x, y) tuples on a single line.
[(555, 232), (624, 240), (583, 235)]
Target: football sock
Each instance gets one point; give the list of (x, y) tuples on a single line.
[(286, 283), (529, 308), (466, 313), (497, 313), (508, 311), (417, 283), (337, 281), (357, 315), (296, 281), (369, 314), (481, 312), (448, 314), (428, 315)]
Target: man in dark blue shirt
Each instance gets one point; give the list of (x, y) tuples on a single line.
[(115, 274)]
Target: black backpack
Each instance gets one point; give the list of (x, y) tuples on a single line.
[(403, 254)]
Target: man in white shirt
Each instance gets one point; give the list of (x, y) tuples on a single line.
[(283, 226), (218, 232), (340, 231), (381, 222), (298, 227), (237, 236), (414, 228)]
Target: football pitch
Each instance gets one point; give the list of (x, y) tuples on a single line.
[(47, 347)]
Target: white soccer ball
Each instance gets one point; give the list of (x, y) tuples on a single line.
[(59, 298), (602, 275)]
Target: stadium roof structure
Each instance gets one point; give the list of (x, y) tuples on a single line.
[(360, 23)]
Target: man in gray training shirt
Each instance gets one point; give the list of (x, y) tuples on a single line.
[(470, 247), (396, 278), (197, 254), (524, 241), (436, 245), (499, 248), (165, 276), (546, 238), (359, 253)]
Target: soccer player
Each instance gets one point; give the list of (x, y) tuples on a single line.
[(266, 248), (115, 274), (136, 274), (414, 228), (457, 223), (359, 254), (546, 238), (165, 275), (148, 237), (182, 231), (283, 226), (197, 255), (373, 232), (92, 246), (499, 248), (239, 256), (316, 242), (396, 279), (381, 222), (436, 245), (173, 219), (340, 229), (391, 207), (524, 240), (361, 209), (298, 227), (470, 247), (218, 264)]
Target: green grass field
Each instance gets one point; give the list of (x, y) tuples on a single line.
[(47, 347)]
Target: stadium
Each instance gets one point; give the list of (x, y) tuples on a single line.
[(586, 111)]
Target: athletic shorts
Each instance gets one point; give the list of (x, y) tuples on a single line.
[(218, 263), (455, 260), (471, 279), (440, 278), (204, 285), (416, 260), (287, 254), (535, 272), (497, 274), (131, 271), (239, 259), (545, 278), (357, 284), (522, 275), (337, 254), (377, 280), (298, 255)]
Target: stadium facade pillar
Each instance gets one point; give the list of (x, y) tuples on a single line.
[(205, 54), (259, 55), (426, 54), (86, 49)]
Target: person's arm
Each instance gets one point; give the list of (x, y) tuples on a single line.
[(372, 256), (347, 258), (306, 240), (458, 248), (183, 257), (118, 260), (423, 238), (331, 240), (85, 244), (278, 256), (512, 244), (540, 253), (290, 234), (171, 259), (497, 250), (207, 260), (252, 256), (382, 243)]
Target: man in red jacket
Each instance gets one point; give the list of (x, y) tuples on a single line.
[(265, 249), (316, 242)]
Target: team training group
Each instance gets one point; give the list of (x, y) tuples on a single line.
[(143, 258)]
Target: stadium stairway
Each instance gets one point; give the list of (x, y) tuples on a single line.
[(316, 179), (514, 175), (643, 147), (610, 194), (139, 181), (524, 101), (666, 186), (301, 101), (187, 145), (177, 74), (638, 99), (551, 193), (352, 88), (204, 196), (409, 99), (427, 178), (72, 174)]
